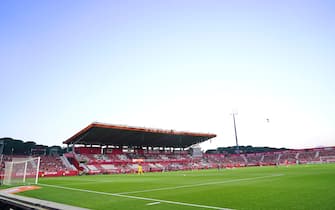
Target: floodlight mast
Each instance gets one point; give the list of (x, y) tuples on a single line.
[(237, 147)]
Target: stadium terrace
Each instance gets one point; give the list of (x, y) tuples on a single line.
[(107, 149), (103, 148), (114, 149)]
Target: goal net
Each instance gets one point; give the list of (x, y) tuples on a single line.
[(21, 171)]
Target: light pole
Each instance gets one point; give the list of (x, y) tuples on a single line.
[(237, 147)]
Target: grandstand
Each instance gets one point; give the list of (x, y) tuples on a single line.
[(113, 149), (106, 148), (71, 164)]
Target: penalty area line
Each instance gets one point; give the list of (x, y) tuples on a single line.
[(154, 201)]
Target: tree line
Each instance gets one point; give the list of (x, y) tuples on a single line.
[(243, 150), (10, 146)]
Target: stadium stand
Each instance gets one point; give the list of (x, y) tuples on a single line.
[(160, 161), (119, 149), (254, 159), (326, 154), (308, 156), (288, 157), (270, 158)]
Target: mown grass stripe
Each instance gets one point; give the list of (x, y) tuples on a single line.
[(199, 184), (138, 198)]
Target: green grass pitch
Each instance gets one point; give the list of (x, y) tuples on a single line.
[(293, 187)]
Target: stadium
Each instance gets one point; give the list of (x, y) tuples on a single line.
[(100, 169)]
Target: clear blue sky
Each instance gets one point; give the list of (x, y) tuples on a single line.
[(182, 65)]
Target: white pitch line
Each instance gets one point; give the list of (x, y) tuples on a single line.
[(154, 203), (166, 188), (85, 180), (138, 198), (197, 185)]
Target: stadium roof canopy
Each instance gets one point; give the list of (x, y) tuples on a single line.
[(116, 135)]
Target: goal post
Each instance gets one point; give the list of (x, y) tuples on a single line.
[(21, 171)]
